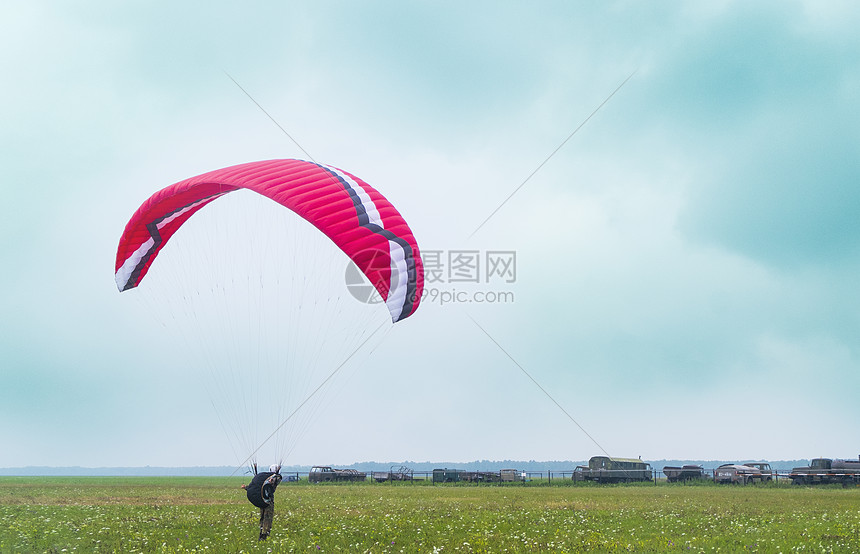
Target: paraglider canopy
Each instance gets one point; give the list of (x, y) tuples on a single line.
[(357, 218)]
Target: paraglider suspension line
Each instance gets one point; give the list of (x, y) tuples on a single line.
[(543, 390), (308, 398)]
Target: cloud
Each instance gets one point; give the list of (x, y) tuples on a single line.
[(763, 103)]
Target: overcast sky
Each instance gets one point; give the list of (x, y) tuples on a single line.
[(686, 263)]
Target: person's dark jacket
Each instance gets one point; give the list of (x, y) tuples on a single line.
[(261, 490)]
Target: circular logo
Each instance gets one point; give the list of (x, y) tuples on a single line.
[(357, 283)]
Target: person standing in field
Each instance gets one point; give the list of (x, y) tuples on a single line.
[(261, 493)]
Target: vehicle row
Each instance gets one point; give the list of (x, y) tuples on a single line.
[(608, 469), (819, 471)]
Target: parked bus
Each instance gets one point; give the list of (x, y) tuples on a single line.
[(605, 469)]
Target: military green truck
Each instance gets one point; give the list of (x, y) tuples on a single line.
[(684, 473), (511, 475), (826, 470), (447, 475)]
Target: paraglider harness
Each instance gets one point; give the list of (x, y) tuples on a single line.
[(261, 493)]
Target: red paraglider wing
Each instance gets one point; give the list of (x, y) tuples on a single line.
[(357, 218)]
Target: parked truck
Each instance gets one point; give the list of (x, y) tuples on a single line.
[(764, 467), (737, 474), (480, 476), (324, 474), (687, 472), (511, 475), (403, 473), (447, 475), (827, 470)]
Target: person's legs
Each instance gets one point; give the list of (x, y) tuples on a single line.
[(267, 514)]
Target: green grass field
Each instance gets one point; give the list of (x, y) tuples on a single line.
[(54, 514)]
